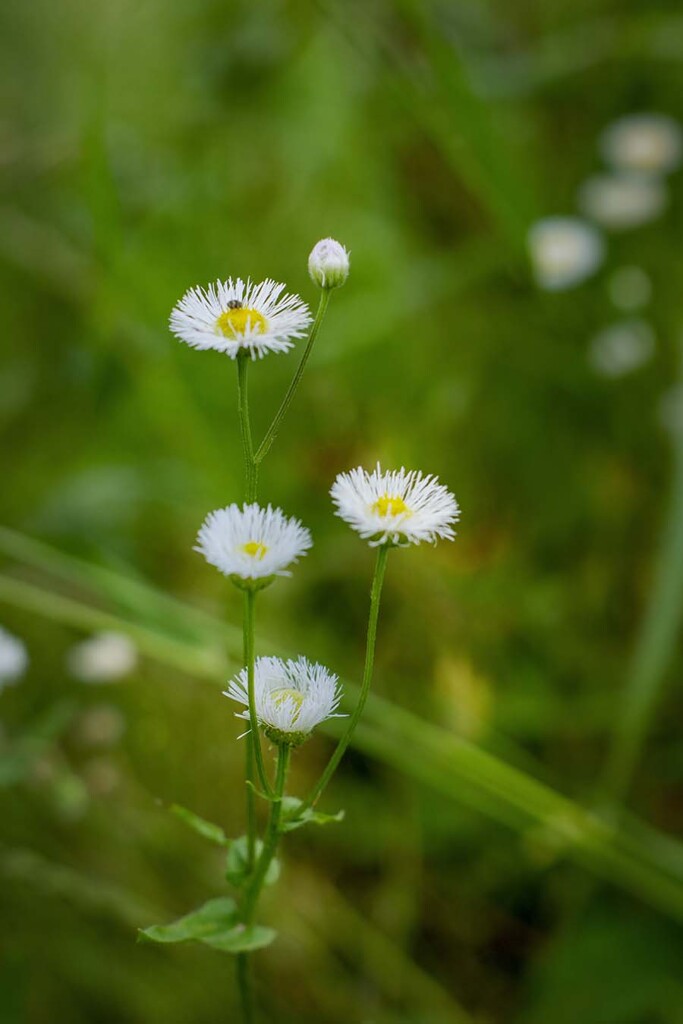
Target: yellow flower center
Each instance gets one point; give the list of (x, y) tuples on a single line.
[(286, 694), (255, 549), (387, 506), (234, 323)]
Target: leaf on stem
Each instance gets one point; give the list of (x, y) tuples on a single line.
[(213, 918), (242, 939), (295, 814), (216, 925), (236, 867), (205, 828)]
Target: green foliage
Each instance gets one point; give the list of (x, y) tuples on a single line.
[(153, 147), (293, 817), (236, 867), (206, 829), (215, 924)]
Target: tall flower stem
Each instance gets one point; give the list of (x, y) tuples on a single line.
[(375, 594), (250, 474), (270, 840), (245, 988), (248, 625), (250, 464), (273, 429)]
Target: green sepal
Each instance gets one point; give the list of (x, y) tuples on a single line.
[(206, 829), (294, 817), (236, 870), (254, 585), (213, 918), (215, 924)]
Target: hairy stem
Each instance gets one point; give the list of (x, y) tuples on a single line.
[(270, 839)]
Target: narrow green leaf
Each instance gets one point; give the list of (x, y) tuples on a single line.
[(241, 939), (205, 828), (217, 917), (293, 817)]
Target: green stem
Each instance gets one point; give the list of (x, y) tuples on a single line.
[(250, 464), (248, 621), (375, 594), (245, 988), (270, 839), (273, 429)]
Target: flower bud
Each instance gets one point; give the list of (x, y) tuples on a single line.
[(328, 264)]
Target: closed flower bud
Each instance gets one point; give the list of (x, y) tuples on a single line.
[(328, 264)]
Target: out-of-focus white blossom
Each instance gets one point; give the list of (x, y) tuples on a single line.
[(564, 251), (104, 658), (621, 348), (645, 143), (621, 201), (671, 410), (13, 659)]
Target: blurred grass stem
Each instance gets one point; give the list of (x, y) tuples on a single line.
[(655, 646), (375, 595), (274, 428)]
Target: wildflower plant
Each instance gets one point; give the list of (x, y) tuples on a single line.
[(253, 545)]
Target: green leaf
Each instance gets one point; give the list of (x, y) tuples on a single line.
[(236, 870), (242, 939), (214, 918), (293, 816), (207, 829)]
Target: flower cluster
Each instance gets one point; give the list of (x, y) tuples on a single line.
[(252, 544)]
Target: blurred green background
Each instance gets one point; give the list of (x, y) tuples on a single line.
[(148, 147)]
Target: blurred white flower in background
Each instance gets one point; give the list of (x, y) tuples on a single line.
[(621, 201), (621, 348), (104, 658), (645, 143), (564, 251), (671, 410), (629, 288), (13, 659), (101, 726)]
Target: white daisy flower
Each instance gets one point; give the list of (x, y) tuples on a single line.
[(564, 251), (105, 657), (233, 316), (646, 143), (13, 659), (398, 507), (252, 543), (328, 264), (623, 200), (291, 697)]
